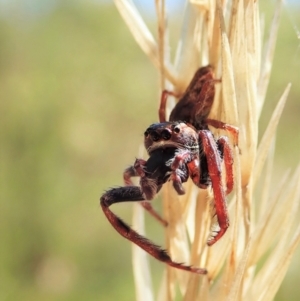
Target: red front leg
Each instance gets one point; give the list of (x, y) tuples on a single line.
[(228, 161), (194, 172), (214, 169), (134, 193)]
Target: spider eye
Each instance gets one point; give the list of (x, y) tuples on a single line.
[(154, 136), (166, 135), (176, 130), (146, 134)]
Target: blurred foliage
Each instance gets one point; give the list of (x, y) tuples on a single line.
[(72, 79)]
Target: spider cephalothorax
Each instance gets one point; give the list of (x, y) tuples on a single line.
[(179, 149)]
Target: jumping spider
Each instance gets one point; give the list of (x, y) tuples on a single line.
[(178, 149)]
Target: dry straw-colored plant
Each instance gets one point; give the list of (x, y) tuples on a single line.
[(227, 35)]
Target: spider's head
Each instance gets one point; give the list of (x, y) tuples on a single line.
[(170, 135)]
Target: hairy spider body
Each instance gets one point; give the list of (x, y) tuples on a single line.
[(178, 149)]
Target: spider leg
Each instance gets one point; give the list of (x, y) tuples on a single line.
[(214, 168), (134, 193), (233, 130), (226, 152), (147, 206), (149, 187), (198, 172), (163, 103)]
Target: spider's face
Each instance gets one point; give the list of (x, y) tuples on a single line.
[(170, 135)]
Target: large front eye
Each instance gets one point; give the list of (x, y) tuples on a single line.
[(165, 134), (154, 136)]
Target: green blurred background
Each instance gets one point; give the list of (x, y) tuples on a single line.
[(76, 95)]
